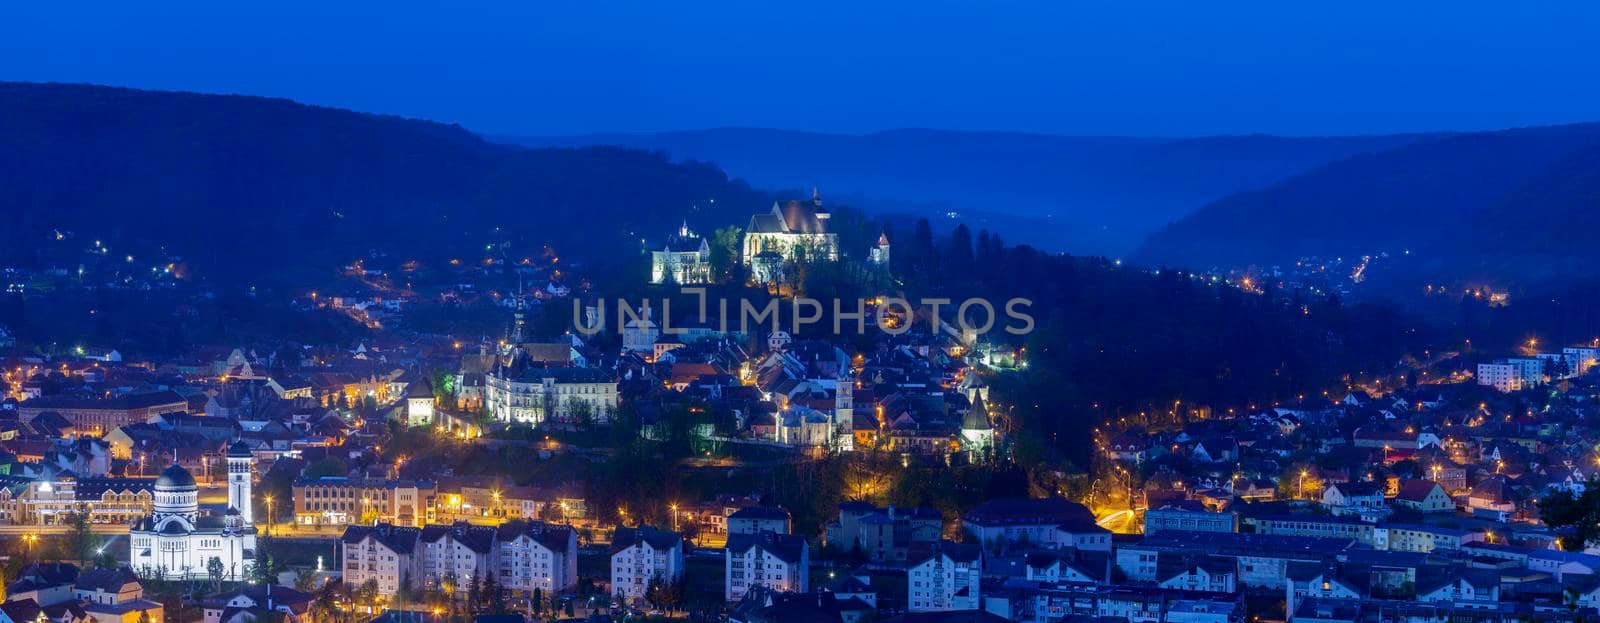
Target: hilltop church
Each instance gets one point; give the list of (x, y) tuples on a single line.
[(790, 231)]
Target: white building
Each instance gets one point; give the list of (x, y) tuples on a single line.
[(640, 556), (789, 232), (780, 562), (419, 402), (1505, 376), (684, 259), (455, 554), (1585, 356), (537, 555), (943, 576), (522, 392), (177, 542), (384, 554)]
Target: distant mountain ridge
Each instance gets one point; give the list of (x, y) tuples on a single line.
[(1518, 203), (1085, 195)]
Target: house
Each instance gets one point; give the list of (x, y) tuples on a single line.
[(44, 584), (943, 576), (1128, 448), (778, 561), (1066, 566), (1214, 574), (1492, 494), (22, 610), (1470, 585), (1354, 498), (1424, 496), (758, 519), (252, 602), (643, 556), (108, 586)]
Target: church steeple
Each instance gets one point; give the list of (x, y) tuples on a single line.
[(518, 323)]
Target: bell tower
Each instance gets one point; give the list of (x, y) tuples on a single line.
[(843, 413), (241, 464)]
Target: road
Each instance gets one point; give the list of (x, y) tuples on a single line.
[(1120, 522), (19, 530)]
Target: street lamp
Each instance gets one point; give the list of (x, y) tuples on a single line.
[(674, 508), (269, 515)]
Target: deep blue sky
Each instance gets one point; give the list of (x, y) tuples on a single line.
[(1060, 66)]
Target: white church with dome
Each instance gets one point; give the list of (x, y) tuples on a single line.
[(177, 542)]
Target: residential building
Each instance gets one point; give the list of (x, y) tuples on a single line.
[(537, 555), (943, 576), (777, 561), (456, 554), (642, 556), (882, 535), (384, 553)]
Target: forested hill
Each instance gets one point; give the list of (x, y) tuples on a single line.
[(1085, 195), (1510, 205), (268, 188)]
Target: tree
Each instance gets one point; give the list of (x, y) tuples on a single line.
[(1575, 517), (495, 596), (80, 538), (215, 569), (725, 246)]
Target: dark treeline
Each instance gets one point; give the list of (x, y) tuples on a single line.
[(1115, 341)]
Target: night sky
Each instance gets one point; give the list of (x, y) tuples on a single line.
[(1109, 68)]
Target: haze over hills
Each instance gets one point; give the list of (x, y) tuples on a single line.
[(1513, 204), (1084, 195)]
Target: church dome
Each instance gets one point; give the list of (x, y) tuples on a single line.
[(238, 450), (175, 477)]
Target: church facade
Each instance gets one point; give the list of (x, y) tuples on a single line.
[(789, 232), (177, 542)]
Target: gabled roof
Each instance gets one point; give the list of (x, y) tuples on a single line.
[(786, 547), (399, 539), (624, 538), (552, 536), (479, 539), (1416, 490), (956, 552)]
